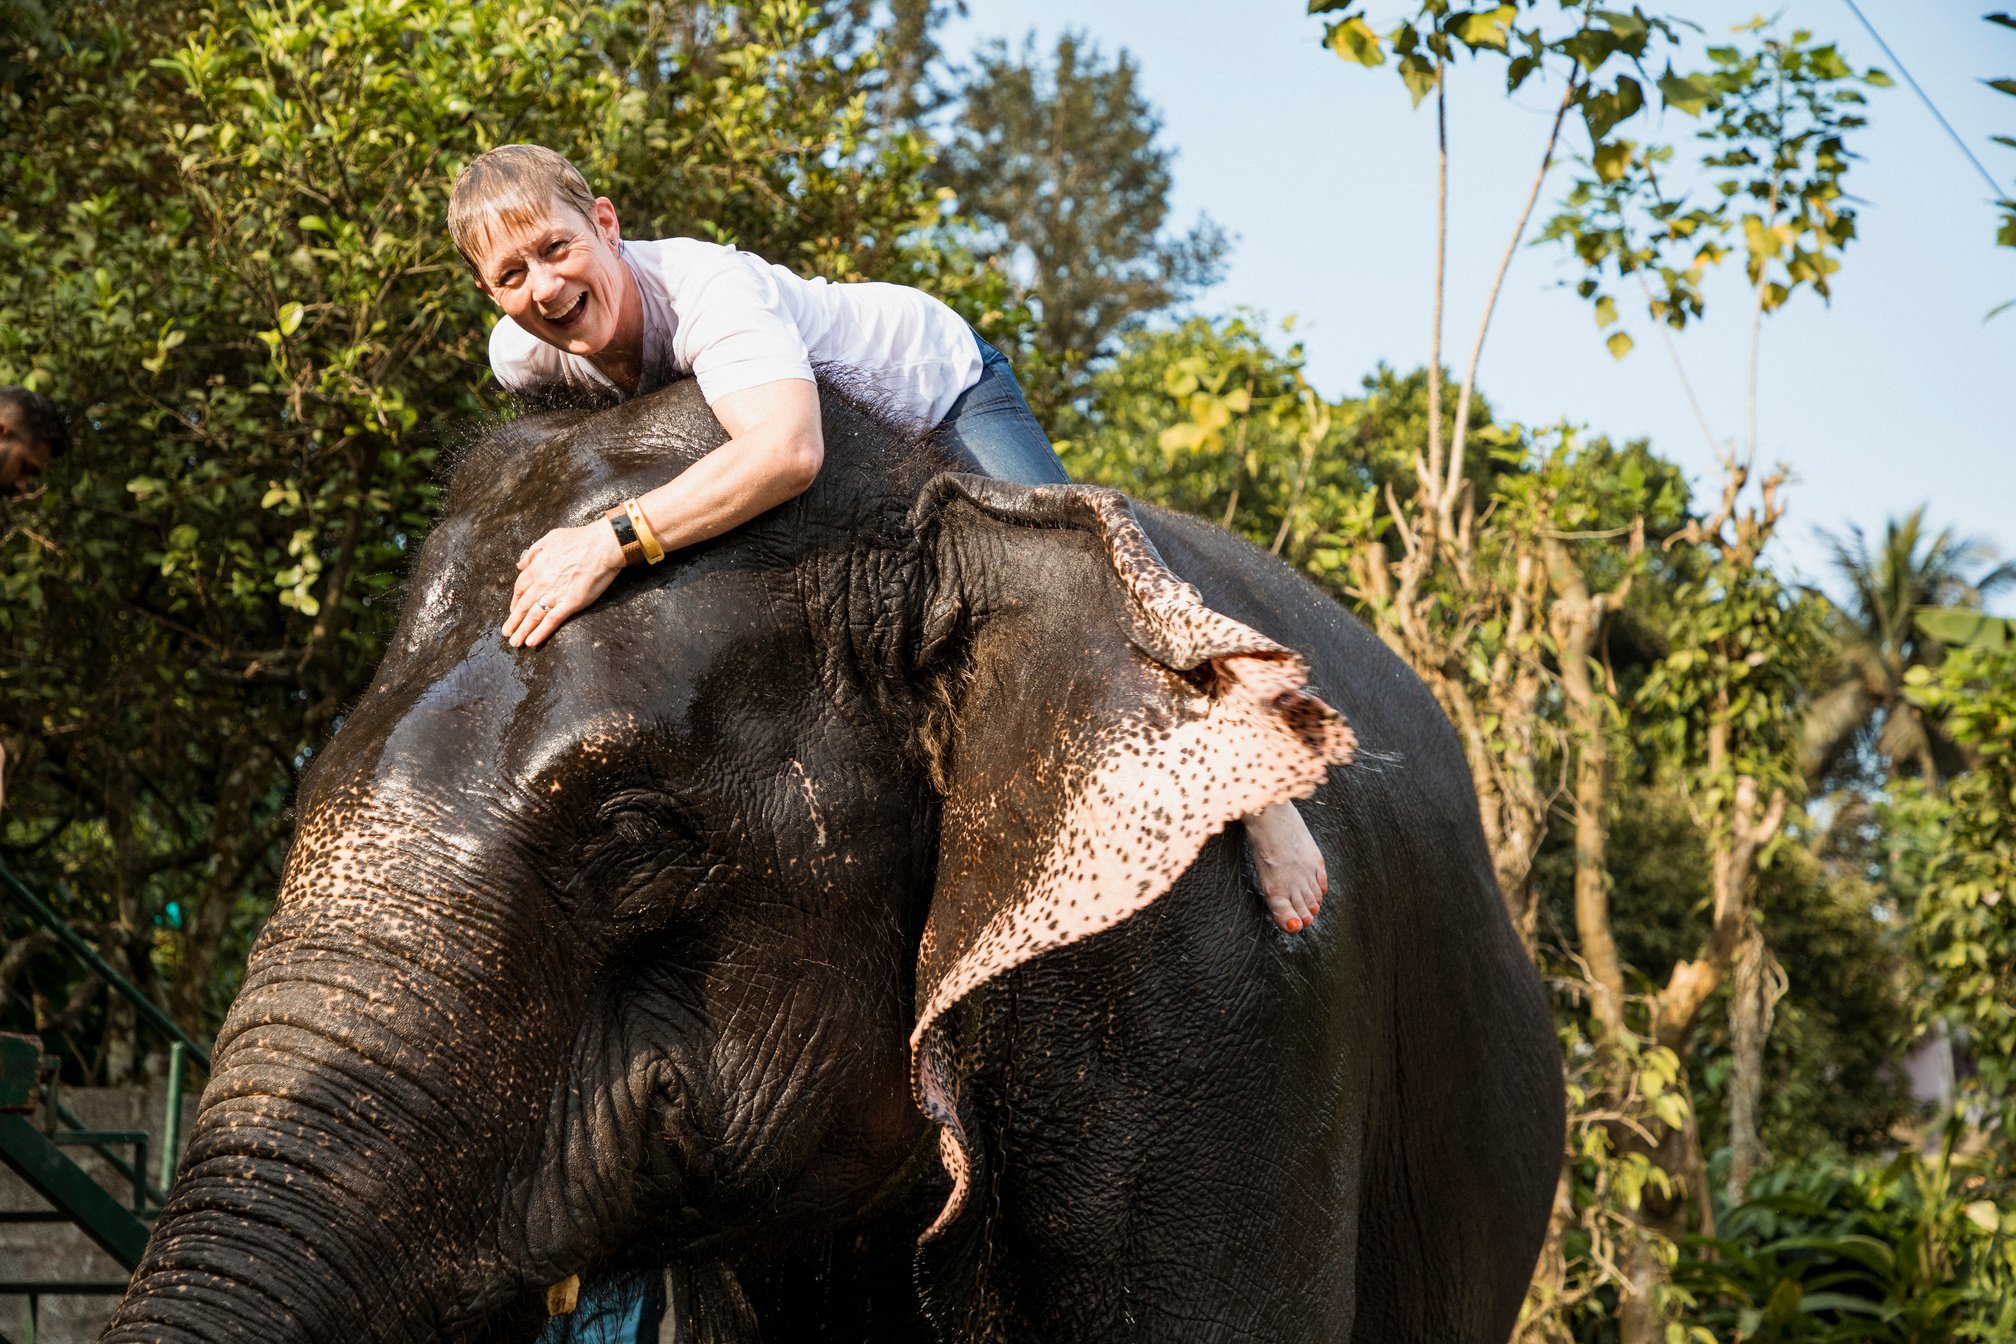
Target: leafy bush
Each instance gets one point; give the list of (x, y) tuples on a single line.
[(1954, 859), (1915, 1249)]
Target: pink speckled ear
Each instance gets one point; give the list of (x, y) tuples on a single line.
[(1104, 724)]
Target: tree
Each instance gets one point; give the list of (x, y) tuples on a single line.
[(1060, 170), (1832, 1084), (1434, 590), (1208, 417), (1740, 647), (1878, 641), (908, 87), (1776, 117)]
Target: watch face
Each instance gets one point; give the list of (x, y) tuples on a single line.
[(626, 535)]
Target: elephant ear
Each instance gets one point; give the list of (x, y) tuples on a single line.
[(1100, 723)]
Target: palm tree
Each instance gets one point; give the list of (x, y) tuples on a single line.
[(1877, 641)]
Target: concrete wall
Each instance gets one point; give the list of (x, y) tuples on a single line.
[(58, 1250)]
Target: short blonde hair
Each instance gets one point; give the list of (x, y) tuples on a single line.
[(515, 186)]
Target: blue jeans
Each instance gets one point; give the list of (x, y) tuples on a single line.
[(623, 1310), (990, 429)]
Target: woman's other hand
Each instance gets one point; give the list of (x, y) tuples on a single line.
[(558, 575)]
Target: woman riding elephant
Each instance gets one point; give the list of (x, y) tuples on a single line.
[(590, 315)]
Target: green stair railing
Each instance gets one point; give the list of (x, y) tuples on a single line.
[(36, 1128)]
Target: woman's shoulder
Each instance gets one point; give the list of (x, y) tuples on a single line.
[(522, 361), (675, 261)]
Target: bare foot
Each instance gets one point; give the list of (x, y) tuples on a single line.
[(1293, 879)]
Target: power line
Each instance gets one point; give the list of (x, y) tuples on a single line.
[(1926, 99)]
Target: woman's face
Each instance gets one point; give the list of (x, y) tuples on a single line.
[(560, 277), (23, 456)]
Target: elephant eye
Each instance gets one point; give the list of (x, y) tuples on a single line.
[(647, 853), (637, 826)]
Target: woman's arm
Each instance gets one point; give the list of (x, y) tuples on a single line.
[(774, 450)]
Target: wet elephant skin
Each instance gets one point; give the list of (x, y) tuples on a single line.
[(603, 956)]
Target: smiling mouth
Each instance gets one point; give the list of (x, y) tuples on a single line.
[(572, 315)]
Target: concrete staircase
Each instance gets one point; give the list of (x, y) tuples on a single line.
[(35, 1152), (109, 1198)]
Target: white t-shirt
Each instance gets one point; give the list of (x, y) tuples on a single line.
[(735, 321)]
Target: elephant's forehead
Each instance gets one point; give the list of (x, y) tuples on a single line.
[(668, 659)]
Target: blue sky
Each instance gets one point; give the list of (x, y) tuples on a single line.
[(1895, 395)]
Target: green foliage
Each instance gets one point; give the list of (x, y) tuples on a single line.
[(1059, 168), (1625, 1097), (1768, 179), (1208, 417), (1908, 596), (222, 248), (1600, 54), (1742, 646), (1833, 1085), (1953, 856), (1521, 33), (1913, 1249), (1960, 628), (1394, 430)]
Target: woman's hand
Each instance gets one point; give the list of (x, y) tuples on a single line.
[(561, 573)]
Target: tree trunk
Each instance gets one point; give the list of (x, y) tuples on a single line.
[(1735, 845), (1638, 1317), (1756, 985), (1550, 1274), (1734, 848), (1576, 620)]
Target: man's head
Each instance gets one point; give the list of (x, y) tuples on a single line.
[(32, 434), (542, 245)]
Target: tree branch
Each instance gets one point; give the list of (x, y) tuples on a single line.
[(1463, 396)]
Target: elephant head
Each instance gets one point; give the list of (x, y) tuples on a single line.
[(649, 945)]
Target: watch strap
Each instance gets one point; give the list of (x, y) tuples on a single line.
[(626, 535)]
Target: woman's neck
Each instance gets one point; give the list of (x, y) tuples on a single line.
[(622, 360)]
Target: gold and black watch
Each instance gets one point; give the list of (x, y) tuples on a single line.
[(633, 533), (626, 535)]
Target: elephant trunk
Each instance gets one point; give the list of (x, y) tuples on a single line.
[(295, 1218), (229, 1264), (377, 1087)]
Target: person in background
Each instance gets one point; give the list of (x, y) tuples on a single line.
[(32, 435)]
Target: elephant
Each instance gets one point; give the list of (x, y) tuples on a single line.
[(848, 918)]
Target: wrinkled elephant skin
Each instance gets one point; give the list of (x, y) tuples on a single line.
[(849, 916)]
